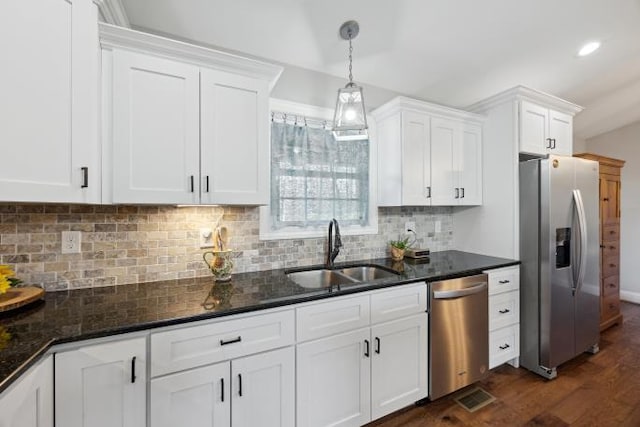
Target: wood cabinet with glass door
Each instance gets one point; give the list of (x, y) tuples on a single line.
[(610, 171)]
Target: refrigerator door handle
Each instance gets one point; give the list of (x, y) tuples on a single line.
[(582, 225)]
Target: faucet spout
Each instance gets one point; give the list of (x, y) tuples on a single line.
[(334, 242)]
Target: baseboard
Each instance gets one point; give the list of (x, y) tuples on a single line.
[(629, 296)]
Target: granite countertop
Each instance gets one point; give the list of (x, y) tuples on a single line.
[(66, 316)]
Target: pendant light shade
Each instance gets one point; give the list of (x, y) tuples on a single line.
[(350, 119)]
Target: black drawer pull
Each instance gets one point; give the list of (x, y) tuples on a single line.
[(377, 345), (240, 385), (235, 340), (366, 348), (207, 183), (502, 282), (504, 347), (222, 389), (506, 310), (191, 179), (133, 370)]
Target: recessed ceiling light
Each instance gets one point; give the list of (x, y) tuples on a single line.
[(588, 48)]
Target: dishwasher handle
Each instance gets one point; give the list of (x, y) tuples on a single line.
[(456, 293)]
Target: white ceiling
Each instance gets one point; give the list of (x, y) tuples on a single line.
[(454, 52)]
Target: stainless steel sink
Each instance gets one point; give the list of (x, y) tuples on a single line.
[(367, 273), (319, 278), (324, 278)]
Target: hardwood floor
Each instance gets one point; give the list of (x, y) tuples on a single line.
[(592, 390)]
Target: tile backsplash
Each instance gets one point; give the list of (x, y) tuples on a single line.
[(129, 244)]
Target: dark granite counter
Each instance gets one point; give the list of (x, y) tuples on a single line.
[(81, 314)]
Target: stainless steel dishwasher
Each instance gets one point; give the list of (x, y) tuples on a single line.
[(458, 333)]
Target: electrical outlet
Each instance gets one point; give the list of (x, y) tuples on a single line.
[(409, 225), (71, 241), (438, 226), (206, 238)]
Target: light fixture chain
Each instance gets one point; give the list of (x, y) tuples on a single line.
[(350, 61)]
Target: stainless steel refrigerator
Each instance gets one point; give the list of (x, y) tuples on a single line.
[(560, 271)]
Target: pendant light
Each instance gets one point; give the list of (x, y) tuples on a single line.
[(350, 119)]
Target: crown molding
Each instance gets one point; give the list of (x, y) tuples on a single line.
[(113, 12), (524, 93), (112, 36), (403, 103)]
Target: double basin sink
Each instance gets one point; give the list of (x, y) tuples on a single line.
[(325, 278)]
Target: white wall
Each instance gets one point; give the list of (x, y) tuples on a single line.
[(579, 145), (624, 144)]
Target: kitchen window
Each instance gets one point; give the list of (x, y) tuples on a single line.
[(315, 178)]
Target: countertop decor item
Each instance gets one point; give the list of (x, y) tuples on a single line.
[(12, 297), (220, 263), (350, 119), (398, 247)]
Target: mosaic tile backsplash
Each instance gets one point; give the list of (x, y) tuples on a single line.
[(129, 244)]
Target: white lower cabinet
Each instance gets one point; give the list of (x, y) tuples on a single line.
[(351, 378), (398, 364), (334, 380), (102, 385), (196, 398), (29, 402), (250, 391), (504, 316)]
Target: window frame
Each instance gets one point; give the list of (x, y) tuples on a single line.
[(306, 110)]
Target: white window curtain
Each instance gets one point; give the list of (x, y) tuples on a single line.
[(315, 178)]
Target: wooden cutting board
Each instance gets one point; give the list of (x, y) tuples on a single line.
[(17, 297)]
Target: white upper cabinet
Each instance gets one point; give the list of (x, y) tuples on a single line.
[(545, 131), (235, 139), (155, 130), (429, 155), (183, 124), (49, 102), (416, 159)]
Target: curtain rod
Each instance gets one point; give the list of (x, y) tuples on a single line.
[(300, 120)]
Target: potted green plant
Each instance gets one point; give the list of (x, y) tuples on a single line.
[(398, 247)]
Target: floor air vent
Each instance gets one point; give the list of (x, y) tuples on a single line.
[(474, 399)]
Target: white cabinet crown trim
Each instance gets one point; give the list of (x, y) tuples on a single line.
[(113, 12), (403, 103), (112, 36), (524, 93)]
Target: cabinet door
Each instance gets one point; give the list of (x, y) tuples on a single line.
[(155, 130), (49, 101), (443, 175), (468, 161), (235, 139), (264, 389), (334, 381), (609, 199), (197, 398), (416, 163), (29, 402), (534, 123), (399, 367), (561, 130), (103, 385)]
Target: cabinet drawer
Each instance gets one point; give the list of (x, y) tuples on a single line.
[(610, 266), (504, 280), (611, 232), (332, 317), (504, 345), (611, 286), (186, 348), (610, 307), (504, 310), (610, 249), (399, 302)]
